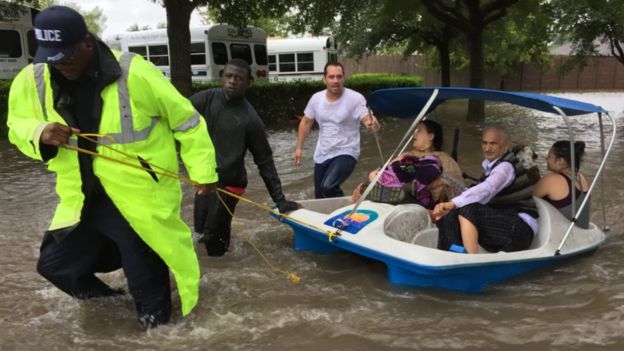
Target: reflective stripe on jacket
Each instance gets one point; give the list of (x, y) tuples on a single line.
[(144, 114)]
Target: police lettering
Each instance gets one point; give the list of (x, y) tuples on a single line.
[(48, 34)]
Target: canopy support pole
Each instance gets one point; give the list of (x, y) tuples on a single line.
[(593, 183)]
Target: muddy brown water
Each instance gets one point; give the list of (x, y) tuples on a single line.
[(343, 302)]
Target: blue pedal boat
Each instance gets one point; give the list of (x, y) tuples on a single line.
[(403, 236)]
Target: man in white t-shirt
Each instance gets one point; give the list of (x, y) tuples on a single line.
[(338, 112)]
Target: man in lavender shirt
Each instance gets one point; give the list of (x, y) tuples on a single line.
[(499, 212)]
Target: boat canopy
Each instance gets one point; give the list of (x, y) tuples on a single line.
[(407, 102)]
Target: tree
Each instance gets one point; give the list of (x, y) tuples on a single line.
[(179, 35), (272, 25), (387, 25), (234, 12), (522, 36), (136, 28), (509, 36), (588, 24), (471, 19), (133, 28), (15, 8), (94, 18)]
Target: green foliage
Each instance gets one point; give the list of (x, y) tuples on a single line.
[(589, 23), (522, 36), (270, 15), (366, 83), (95, 19), (514, 32), (277, 102), (274, 26), (14, 9), (136, 28)]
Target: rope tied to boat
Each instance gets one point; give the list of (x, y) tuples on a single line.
[(145, 165), (292, 276)]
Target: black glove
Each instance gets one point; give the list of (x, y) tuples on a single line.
[(200, 212), (286, 206)]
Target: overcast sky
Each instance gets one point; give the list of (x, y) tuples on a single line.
[(121, 14)]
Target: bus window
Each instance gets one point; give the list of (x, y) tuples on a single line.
[(159, 55), (141, 50), (261, 54), (241, 51), (219, 53), (272, 63), (305, 61), (198, 54), (32, 43), (10, 44), (287, 62)]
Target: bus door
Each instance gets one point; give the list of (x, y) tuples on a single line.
[(253, 53)]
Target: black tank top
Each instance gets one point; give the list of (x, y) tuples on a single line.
[(566, 201)]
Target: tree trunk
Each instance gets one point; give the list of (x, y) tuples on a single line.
[(445, 65), (178, 20), (476, 108)]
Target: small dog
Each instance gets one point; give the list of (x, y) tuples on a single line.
[(526, 156)]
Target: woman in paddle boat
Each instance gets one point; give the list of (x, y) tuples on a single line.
[(554, 187), (424, 175)]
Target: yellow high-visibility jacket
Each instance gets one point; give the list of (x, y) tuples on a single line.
[(144, 114)]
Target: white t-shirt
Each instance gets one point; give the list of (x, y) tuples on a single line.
[(339, 124)]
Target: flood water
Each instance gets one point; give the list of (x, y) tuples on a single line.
[(343, 302)]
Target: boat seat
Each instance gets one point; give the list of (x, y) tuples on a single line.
[(406, 221)]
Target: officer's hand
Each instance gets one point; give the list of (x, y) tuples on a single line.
[(56, 134), (286, 206), (205, 189)]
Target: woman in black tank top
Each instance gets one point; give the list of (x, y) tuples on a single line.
[(555, 186)]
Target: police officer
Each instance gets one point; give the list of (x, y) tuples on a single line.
[(110, 215)]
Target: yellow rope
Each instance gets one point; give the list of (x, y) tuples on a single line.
[(292, 276), (330, 234), (165, 172), (159, 170), (162, 171)]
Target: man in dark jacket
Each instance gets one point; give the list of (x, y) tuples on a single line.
[(234, 127)]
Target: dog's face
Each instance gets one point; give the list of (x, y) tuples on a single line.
[(525, 155)]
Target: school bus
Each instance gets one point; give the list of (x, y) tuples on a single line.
[(300, 58), (211, 48), (17, 40)]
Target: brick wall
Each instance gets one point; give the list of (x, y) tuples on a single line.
[(601, 73)]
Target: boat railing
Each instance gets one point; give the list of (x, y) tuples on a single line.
[(596, 177)]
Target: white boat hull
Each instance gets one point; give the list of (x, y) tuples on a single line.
[(401, 238)]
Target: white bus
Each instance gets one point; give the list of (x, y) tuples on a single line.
[(300, 58), (17, 41), (211, 47)]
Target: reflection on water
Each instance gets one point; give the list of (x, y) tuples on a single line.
[(343, 302)]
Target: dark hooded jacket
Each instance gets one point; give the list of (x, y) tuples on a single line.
[(235, 127)]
